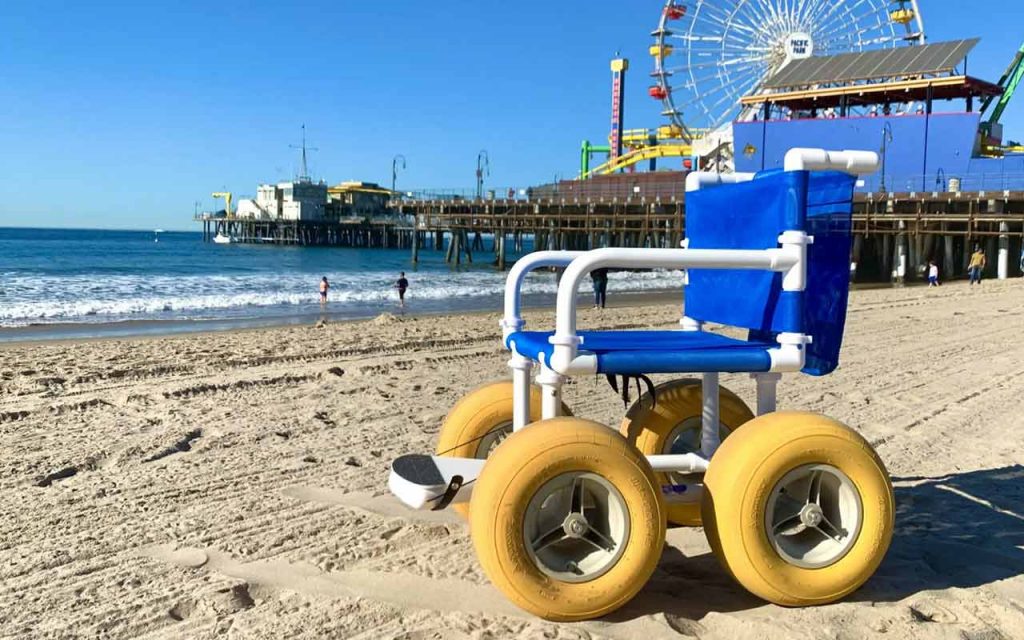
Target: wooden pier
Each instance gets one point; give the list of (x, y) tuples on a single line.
[(383, 234), (649, 210)]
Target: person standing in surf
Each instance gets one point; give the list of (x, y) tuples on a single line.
[(324, 287), (600, 280), (402, 285)]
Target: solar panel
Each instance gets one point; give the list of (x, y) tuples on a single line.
[(869, 65)]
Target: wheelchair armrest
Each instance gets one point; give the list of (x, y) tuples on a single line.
[(565, 339), (512, 321)]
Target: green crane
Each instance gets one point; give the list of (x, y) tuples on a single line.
[(1009, 82)]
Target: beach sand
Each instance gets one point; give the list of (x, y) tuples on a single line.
[(235, 482)]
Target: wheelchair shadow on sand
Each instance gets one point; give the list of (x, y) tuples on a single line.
[(962, 530)]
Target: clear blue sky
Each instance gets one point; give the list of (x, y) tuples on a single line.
[(122, 114)]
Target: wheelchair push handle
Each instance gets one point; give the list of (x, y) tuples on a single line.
[(860, 163)]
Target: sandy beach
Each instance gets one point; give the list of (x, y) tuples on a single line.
[(234, 483)]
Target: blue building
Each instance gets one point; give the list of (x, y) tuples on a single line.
[(916, 105)]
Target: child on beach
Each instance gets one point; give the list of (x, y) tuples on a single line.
[(933, 274), (402, 285), (324, 286), (976, 265)]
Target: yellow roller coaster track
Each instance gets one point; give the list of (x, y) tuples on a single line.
[(639, 155)]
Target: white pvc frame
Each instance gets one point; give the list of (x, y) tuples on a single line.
[(569, 356)]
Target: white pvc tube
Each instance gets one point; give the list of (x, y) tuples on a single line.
[(697, 180), (513, 320), (710, 439), (565, 321), (859, 163), (766, 391), (550, 393), (521, 368), (678, 463), (1003, 264)]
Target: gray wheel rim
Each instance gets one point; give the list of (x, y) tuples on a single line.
[(813, 516), (576, 527), (487, 444), (685, 438)]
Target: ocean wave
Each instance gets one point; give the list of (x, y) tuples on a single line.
[(28, 300)]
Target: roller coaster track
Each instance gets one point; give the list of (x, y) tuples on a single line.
[(639, 155)]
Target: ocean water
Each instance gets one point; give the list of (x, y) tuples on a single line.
[(91, 280)]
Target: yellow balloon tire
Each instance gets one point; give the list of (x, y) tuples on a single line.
[(740, 479), (475, 415), (678, 401), (512, 476)]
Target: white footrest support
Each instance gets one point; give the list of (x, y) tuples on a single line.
[(433, 482)]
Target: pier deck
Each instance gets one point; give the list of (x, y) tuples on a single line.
[(649, 210)]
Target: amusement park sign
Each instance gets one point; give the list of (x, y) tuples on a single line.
[(798, 46)]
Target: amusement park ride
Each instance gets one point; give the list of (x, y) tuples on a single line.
[(714, 64)]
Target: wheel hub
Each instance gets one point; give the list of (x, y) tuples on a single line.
[(811, 515), (575, 525)]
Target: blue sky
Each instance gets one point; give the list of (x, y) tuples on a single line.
[(122, 114)]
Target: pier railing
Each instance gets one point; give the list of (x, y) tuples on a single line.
[(940, 182)]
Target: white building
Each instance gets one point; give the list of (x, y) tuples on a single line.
[(301, 200)]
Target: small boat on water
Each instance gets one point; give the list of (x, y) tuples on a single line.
[(220, 238)]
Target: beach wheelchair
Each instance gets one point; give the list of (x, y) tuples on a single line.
[(568, 516)]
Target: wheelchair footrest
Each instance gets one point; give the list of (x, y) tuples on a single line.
[(433, 482)]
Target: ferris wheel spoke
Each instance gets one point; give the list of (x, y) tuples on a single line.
[(728, 26), (725, 20), (838, 14), (716, 83), (822, 11), (715, 42), (732, 62), (748, 15), (711, 84), (858, 32), (769, 12), (848, 15)]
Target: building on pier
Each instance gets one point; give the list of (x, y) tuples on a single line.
[(917, 106), (300, 200), (360, 200)]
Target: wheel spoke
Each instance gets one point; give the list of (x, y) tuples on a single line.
[(789, 526), (576, 502), (814, 488), (829, 530), (599, 540), (553, 536)]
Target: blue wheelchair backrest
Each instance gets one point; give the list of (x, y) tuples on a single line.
[(752, 215)]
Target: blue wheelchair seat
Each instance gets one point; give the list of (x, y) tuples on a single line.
[(746, 215), (640, 352)]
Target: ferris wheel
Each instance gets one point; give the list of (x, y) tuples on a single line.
[(710, 53)]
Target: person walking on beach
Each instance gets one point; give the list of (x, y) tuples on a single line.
[(600, 280), (977, 264), (402, 285), (933, 274), (324, 286)]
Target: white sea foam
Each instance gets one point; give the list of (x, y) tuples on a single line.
[(27, 299)]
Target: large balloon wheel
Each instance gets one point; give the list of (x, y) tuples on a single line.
[(710, 53)]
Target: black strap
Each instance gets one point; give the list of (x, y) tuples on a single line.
[(614, 382), (449, 493)]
